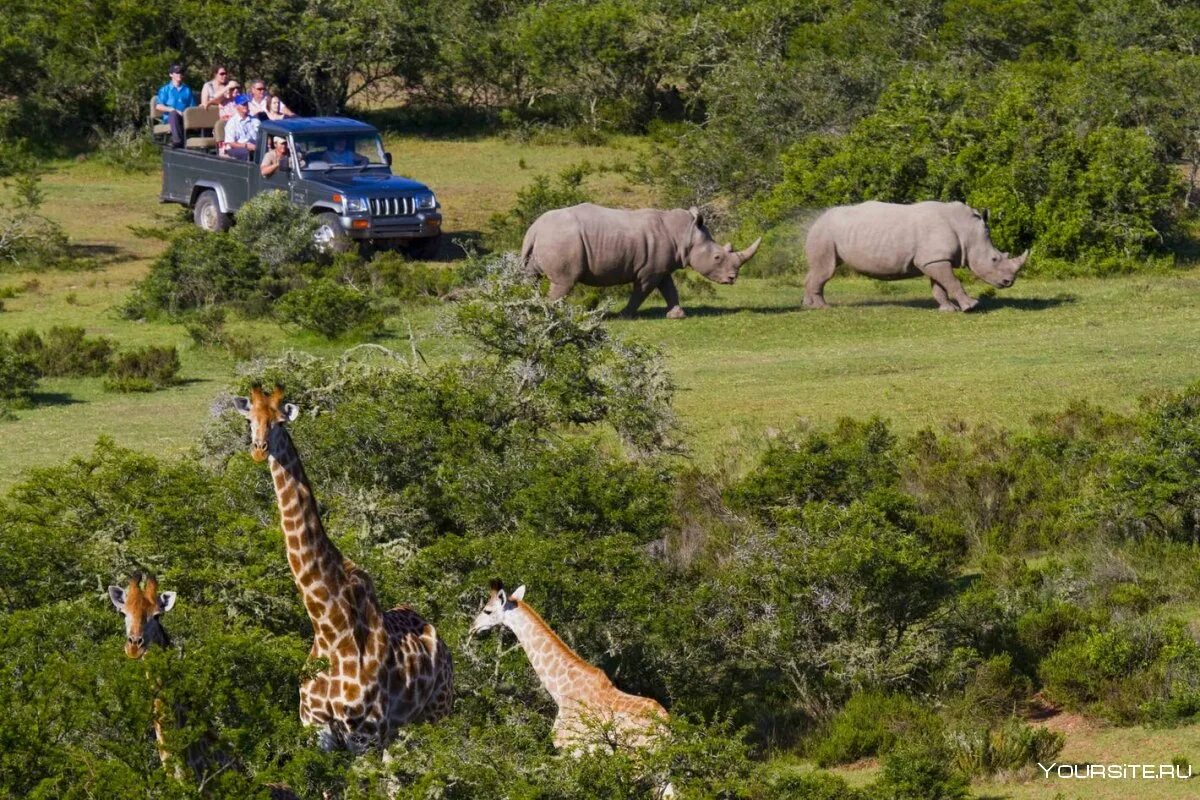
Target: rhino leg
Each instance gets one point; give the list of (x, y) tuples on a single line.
[(635, 300), (943, 300), (822, 263), (559, 290), (942, 274), (671, 294)]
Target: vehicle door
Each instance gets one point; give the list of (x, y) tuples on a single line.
[(281, 179)]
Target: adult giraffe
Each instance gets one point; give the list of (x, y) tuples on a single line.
[(386, 668), (142, 607), (583, 693)]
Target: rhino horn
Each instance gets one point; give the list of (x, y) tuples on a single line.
[(748, 253), (1019, 261)]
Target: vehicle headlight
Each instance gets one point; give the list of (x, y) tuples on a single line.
[(353, 205), (427, 202)]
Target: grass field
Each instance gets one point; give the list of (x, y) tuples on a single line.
[(747, 359)]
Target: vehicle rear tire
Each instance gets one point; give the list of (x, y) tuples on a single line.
[(207, 213), (425, 249), (330, 236)]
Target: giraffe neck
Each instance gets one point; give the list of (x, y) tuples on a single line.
[(563, 674), (169, 763), (317, 565)]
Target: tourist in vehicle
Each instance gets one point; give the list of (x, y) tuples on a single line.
[(276, 109), (213, 92), (227, 108), (341, 154), (173, 98), (276, 158), (241, 132), (259, 101)]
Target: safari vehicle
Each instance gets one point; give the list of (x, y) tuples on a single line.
[(336, 167)]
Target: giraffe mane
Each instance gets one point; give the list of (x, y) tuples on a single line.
[(555, 638)]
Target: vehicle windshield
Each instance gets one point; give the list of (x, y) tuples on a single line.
[(339, 150)]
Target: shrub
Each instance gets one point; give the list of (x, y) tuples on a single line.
[(276, 230), (128, 148), (145, 370), (411, 282), (197, 269), (28, 240), (920, 771), (871, 724), (329, 308), (1010, 749), (18, 373), (67, 352)]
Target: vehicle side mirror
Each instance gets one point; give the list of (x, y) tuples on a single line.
[(388, 158)]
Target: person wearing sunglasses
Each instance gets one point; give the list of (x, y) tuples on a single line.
[(213, 92)]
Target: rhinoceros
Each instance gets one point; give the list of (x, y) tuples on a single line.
[(599, 246), (890, 241)]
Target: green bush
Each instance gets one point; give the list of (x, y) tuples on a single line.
[(1011, 749), (329, 308), (147, 369), (197, 269), (1142, 670), (919, 771), (128, 148), (66, 351), (28, 239), (18, 373), (276, 230), (871, 724)]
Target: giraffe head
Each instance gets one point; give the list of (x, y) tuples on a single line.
[(264, 411), (497, 607), (142, 607)]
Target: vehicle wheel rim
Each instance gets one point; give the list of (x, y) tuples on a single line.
[(208, 218), (324, 237)]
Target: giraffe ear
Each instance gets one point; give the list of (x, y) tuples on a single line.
[(518, 594), (117, 595), (291, 411), (242, 405), (166, 601)]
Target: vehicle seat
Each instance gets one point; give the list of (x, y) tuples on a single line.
[(199, 125), (157, 126)]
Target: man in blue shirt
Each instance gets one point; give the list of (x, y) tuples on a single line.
[(172, 99)]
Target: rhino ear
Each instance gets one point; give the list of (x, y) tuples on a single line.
[(697, 217), (987, 216)]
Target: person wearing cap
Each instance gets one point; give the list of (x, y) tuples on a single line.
[(241, 132), (227, 109), (172, 100), (276, 158)]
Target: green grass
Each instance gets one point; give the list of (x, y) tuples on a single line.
[(747, 359), (1086, 744)]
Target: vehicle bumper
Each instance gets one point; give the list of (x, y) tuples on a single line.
[(422, 225)]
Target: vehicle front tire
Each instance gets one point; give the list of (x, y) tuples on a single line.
[(425, 249), (207, 213), (330, 236)]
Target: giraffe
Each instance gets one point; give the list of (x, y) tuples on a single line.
[(142, 607), (385, 668), (583, 693)]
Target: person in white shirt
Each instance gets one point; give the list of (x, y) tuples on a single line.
[(241, 132)]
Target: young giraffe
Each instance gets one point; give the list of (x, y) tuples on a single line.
[(142, 607), (583, 693), (386, 669)]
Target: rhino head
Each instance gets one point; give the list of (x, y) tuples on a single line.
[(989, 264), (718, 263)]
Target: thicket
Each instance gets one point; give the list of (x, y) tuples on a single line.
[(852, 592)]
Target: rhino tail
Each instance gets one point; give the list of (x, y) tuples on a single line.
[(527, 261)]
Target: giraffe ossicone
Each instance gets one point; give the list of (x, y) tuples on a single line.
[(386, 668)]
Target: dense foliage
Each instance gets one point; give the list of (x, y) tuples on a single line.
[(820, 599)]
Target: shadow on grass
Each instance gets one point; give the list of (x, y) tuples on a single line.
[(986, 304), (97, 255), (51, 399), (711, 311)]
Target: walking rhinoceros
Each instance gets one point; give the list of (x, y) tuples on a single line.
[(599, 246), (890, 241)]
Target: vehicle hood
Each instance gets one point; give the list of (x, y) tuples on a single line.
[(371, 185)]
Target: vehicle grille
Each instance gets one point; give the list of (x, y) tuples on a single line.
[(392, 206)]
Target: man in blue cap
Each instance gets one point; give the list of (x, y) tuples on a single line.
[(172, 100), (241, 132)]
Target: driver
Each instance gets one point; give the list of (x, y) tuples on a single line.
[(275, 159), (341, 155)]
